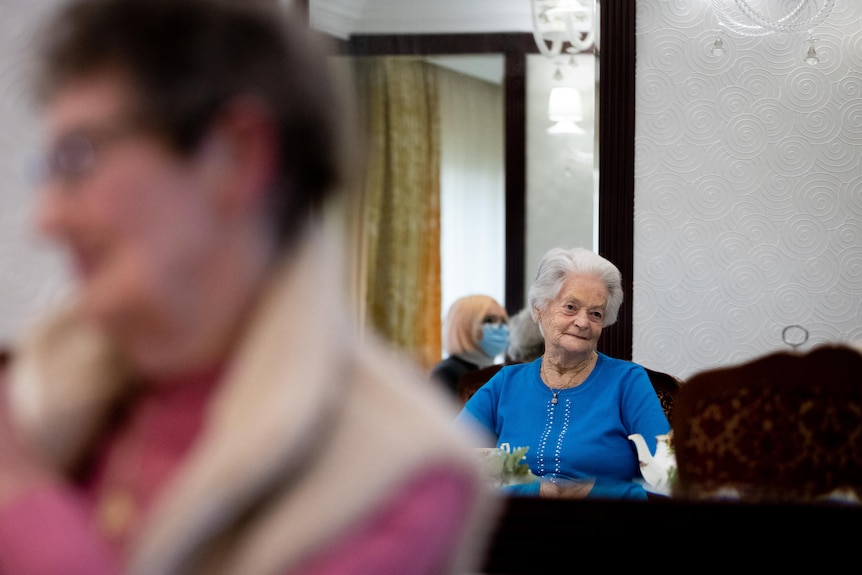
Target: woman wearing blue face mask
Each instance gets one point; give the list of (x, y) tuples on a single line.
[(475, 333)]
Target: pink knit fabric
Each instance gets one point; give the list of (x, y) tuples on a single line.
[(52, 529)]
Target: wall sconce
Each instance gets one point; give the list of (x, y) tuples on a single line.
[(560, 22), (566, 110), (740, 17)]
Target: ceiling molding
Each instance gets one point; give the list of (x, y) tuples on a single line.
[(343, 18)]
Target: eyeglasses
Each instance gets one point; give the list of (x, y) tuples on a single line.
[(73, 156)]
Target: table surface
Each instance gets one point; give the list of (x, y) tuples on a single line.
[(540, 535)]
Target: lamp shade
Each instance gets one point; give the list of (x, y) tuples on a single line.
[(565, 108), (565, 105)]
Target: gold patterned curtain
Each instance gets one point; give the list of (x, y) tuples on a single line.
[(399, 218)]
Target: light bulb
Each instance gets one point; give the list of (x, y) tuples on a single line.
[(811, 56)]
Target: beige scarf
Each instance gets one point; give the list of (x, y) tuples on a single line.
[(311, 430)]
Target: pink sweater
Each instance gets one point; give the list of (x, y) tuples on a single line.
[(60, 529)]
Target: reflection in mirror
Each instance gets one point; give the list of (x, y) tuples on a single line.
[(562, 180), (561, 195), (472, 177), (451, 111), (431, 223), (549, 181)]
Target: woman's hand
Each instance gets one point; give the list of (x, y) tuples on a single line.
[(565, 488)]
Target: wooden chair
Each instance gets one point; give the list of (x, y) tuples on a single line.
[(666, 387), (786, 427)]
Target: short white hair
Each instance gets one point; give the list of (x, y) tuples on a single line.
[(557, 264)]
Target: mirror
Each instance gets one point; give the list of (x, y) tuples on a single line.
[(614, 109)]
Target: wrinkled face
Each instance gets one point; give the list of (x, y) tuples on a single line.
[(573, 322), (136, 219)]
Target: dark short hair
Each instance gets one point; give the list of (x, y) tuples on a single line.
[(189, 58)]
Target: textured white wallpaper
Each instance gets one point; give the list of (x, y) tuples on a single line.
[(748, 193), (30, 272)]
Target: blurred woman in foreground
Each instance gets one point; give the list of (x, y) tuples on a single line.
[(203, 404)]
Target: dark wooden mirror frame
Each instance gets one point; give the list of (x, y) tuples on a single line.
[(616, 119)]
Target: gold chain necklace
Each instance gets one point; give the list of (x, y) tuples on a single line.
[(556, 390)]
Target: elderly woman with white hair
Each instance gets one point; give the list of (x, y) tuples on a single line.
[(574, 407)]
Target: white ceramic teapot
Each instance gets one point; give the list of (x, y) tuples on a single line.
[(657, 470)]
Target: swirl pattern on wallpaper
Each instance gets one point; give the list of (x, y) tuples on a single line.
[(835, 308), (777, 120), (818, 126), (820, 274), (851, 123), (711, 196), (706, 342), (753, 223), (687, 159), (655, 233), (804, 236), (668, 53), (850, 280), (806, 90), (742, 282), (697, 87), (848, 235), (819, 196), (848, 88), (679, 303), (756, 196), (729, 246), (31, 273), (652, 93), (730, 101), (745, 136), (760, 83), (663, 342), (851, 194), (664, 201), (668, 126), (837, 156), (701, 271), (770, 260), (704, 60), (851, 52), (829, 46), (695, 232), (792, 156), (791, 304), (663, 271), (741, 173), (701, 123)]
